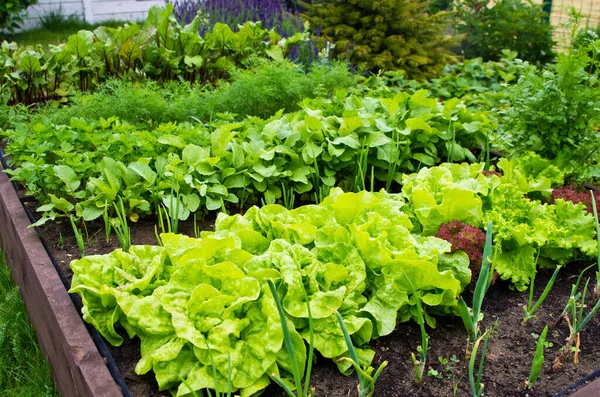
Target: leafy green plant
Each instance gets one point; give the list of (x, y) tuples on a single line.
[(160, 50), (237, 162), (366, 378), (446, 366), (222, 278), (471, 317), (11, 14), (553, 111), (517, 25), (538, 359), (388, 35)]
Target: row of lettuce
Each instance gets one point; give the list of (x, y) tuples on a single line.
[(201, 305)]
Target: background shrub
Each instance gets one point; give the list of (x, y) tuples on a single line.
[(508, 24), (11, 14), (385, 34), (554, 112)]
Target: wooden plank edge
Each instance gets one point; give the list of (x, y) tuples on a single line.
[(78, 368)]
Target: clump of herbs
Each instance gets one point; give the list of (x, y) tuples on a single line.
[(506, 24), (576, 195), (260, 91), (554, 112)]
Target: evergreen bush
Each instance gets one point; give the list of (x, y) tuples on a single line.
[(385, 34)]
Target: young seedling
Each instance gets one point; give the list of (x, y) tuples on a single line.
[(121, 227), (107, 223), (446, 367), (173, 212), (289, 197), (538, 359), (531, 308), (61, 241), (360, 176), (78, 236), (472, 317), (197, 229), (419, 365), (287, 340), (475, 382), (366, 381), (573, 315)]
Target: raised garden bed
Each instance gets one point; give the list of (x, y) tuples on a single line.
[(507, 365), (78, 368)]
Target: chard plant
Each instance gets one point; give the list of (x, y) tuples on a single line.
[(538, 359), (366, 378), (301, 391), (471, 317)]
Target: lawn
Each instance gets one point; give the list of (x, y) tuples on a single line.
[(24, 372)]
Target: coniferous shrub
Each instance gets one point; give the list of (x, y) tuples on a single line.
[(385, 34)]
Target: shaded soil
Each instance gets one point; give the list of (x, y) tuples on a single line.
[(507, 364)]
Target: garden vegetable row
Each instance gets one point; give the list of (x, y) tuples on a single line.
[(160, 49), (353, 142), (199, 304)]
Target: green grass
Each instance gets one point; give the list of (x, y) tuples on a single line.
[(23, 370), (56, 29)]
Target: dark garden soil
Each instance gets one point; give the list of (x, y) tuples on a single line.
[(507, 364)]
